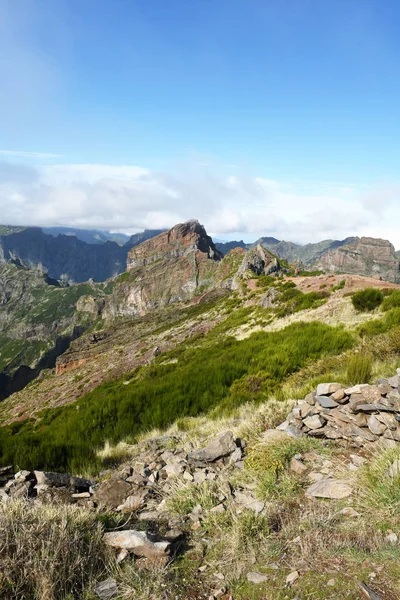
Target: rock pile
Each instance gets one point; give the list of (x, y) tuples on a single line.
[(360, 414)]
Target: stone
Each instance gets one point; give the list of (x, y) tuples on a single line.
[(23, 475), (340, 396), (371, 394), (373, 408), (220, 508), (314, 422), (174, 469), (334, 489), (394, 382), (355, 400), (326, 402), (384, 388), (256, 578), (62, 480), (358, 460), (236, 455), (331, 582), (305, 409), (248, 502), (290, 430), (348, 511), (292, 577), (375, 426), (391, 538), (137, 542), (388, 419), (331, 433), (132, 503), (106, 589), (315, 476), (218, 448), (297, 466), (20, 489), (310, 399), (355, 389), (200, 476), (326, 389), (112, 493)]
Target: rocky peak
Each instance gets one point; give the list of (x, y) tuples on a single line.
[(182, 239), (366, 256), (168, 268)]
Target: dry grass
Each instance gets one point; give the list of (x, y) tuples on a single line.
[(48, 552)]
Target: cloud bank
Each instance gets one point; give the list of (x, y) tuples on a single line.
[(130, 198)]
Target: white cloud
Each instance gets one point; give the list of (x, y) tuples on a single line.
[(127, 198), (22, 153)]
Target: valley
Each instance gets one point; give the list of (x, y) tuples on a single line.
[(122, 381)]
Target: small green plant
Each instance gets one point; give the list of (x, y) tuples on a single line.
[(359, 369), (339, 286), (367, 300)]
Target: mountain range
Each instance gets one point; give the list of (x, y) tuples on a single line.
[(77, 255)]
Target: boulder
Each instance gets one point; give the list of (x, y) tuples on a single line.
[(218, 448), (137, 542), (112, 493), (335, 489)]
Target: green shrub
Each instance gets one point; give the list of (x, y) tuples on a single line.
[(293, 300), (367, 299), (359, 369), (388, 322), (391, 301)]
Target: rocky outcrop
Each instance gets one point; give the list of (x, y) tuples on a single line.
[(169, 268), (260, 261), (360, 414), (366, 256)]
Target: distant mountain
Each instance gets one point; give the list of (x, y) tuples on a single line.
[(66, 256), (225, 247), (142, 236), (90, 236)]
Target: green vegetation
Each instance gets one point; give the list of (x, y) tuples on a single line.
[(67, 438), (293, 300), (377, 326), (367, 299), (391, 301), (359, 368), (339, 286)]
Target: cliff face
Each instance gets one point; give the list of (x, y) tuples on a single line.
[(165, 269), (367, 256)]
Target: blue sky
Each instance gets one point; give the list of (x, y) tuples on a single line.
[(256, 116)]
